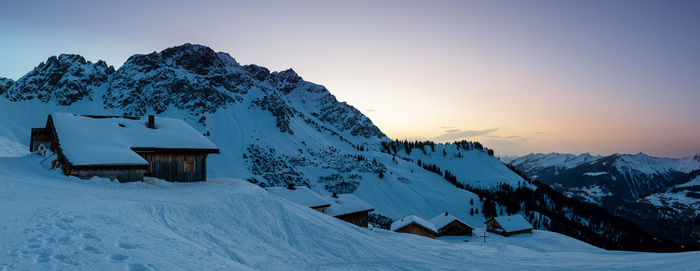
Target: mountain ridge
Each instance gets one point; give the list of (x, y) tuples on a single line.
[(275, 129)]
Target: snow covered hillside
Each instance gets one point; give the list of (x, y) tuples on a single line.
[(473, 167), (672, 213), (56, 222), (606, 180), (273, 128), (639, 187)]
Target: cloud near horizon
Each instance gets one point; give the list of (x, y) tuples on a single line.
[(457, 134)]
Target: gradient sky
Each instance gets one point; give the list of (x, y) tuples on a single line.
[(520, 76)]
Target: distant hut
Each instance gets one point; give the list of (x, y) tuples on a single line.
[(125, 148), (302, 196), (449, 225), (508, 225), (415, 225), (350, 208)]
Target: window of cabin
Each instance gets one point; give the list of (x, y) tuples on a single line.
[(189, 166)]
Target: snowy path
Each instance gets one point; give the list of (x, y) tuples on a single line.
[(51, 222)]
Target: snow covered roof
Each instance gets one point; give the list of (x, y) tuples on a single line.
[(513, 223), (412, 219), (300, 195), (347, 204), (443, 219), (109, 141)]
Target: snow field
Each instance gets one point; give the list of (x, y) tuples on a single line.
[(57, 222)]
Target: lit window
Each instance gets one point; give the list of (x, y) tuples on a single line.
[(189, 166)]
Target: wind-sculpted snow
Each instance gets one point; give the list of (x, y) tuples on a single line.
[(54, 222)]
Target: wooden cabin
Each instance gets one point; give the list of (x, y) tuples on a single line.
[(302, 196), (125, 148), (415, 225), (508, 225), (448, 225), (351, 209)]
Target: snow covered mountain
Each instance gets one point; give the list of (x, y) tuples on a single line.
[(653, 192), (672, 213), (273, 128), (605, 180)]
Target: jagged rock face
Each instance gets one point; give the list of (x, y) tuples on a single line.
[(192, 78), (189, 77), (65, 79), (274, 104), (5, 84)]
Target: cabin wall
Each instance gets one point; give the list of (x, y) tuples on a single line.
[(455, 229), (360, 218), (414, 228), (515, 232), (171, 166), (123, 175), (38, 137)]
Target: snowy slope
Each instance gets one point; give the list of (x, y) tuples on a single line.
[(272, 128), (473, 167), (12, 148), (606, 180), (59, 222), (558, 160), (682, 198)]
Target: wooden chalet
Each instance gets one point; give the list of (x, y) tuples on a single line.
[(302, 196), (448, 225), (125, 148), (508, 225), (349, 208), (415, 225)]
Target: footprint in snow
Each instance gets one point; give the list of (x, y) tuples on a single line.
[(92, 250), (90, 236), (65, 240), (138, 267), (126, 246), (118, 258)]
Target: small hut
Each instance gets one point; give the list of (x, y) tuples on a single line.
[(125, 148), (415, 225), (449, 225), (349, 208), (508, 225), (302, 196)]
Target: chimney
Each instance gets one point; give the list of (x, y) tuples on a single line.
[(151, 122)]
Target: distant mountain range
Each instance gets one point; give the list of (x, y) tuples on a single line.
[(650, 190)]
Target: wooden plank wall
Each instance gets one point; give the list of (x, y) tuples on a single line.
[(171, 166), (455, 228), (418, 230), (123, 175), (359, 218), (40, 137)]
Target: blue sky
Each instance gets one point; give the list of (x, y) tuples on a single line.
[(521, 76)]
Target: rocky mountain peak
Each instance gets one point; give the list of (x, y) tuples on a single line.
[(193, 78), (66, 78), (5, 84)]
